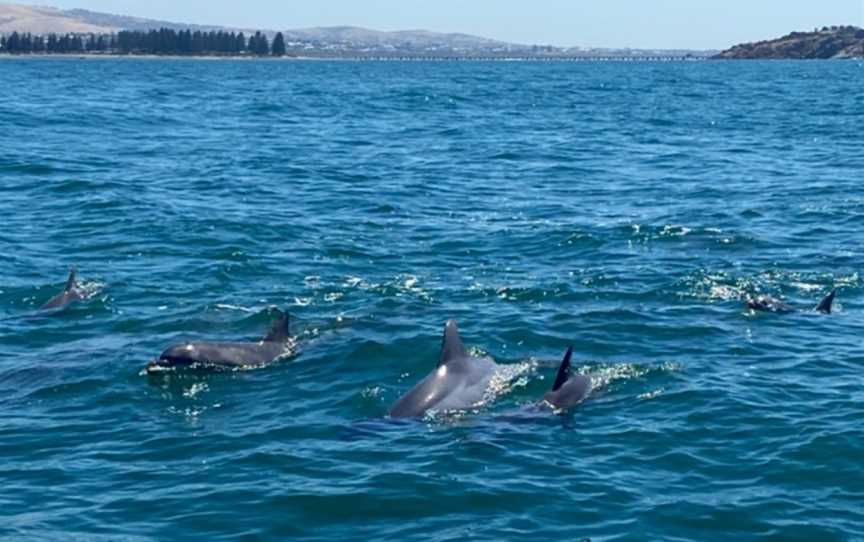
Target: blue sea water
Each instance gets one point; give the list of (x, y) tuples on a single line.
[(623, 208)]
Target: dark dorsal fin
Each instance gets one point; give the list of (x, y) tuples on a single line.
[(451, 344), (563, 370), (70, 282), (824, 306), (279, 330)]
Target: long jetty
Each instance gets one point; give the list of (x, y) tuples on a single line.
[(511, 58)]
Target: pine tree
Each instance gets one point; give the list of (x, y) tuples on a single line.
[(279, 45), (261, 46), (13, 42)]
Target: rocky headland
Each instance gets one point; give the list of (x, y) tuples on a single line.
[(829, 42)]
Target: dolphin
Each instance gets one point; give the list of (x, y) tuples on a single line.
[(277, 343), (70, 294), (460, 380), (769, 304), (567, 390)]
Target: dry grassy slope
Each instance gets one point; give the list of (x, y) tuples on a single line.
[(43, 20)]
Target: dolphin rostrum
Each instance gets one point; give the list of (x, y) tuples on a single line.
[(230, 355), (769, 304), (70, 294), (460, 380), (567, 390)]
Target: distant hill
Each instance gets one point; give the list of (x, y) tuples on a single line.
[(362, 37), (829, 42)]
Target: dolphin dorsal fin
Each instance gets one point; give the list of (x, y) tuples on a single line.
[(824, 306), (70, 282), (451, 345), (563, 370), (279, 330)]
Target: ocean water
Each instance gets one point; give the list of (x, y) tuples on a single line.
[(622, 208)]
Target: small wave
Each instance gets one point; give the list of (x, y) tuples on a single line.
[(674, 230), (651, 394), (196, 389), (203, 367), (508, 377), (192, 414), (529, 294), (355, 282), (718, 286), (266, 107), (227, 306), (30, 169), (709, 235), (723, 286), (398, 286), (603, 376), (805, 286), (90, 288), (848, 280), (264, 311), (506, 156)]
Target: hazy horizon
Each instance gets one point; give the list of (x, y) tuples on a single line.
[(653, 24)]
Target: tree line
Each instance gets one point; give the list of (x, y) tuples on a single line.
[(164, 41)]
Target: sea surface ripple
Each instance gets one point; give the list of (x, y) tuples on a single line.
[(624, 208)]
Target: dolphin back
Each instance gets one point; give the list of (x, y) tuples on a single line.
[(69, 295), (563, 370), (451, 345), (824, 306), (425, 395), (70, 282), (219, 354), (275, 345), (279, 329), (566, 391), (459, 381)]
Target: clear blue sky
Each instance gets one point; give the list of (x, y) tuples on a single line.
[(695, 24)]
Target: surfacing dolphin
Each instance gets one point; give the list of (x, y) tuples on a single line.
[(230, 355), (71, 294), (459, 382), (567, 391), (769, 304)]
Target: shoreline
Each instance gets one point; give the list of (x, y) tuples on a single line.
[(365, 58), (406, 58)]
